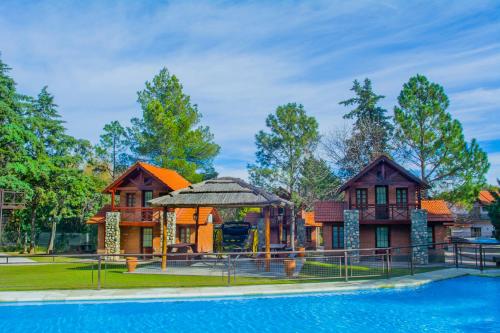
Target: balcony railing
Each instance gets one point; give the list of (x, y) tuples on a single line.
[(394, 212), (139, 214)]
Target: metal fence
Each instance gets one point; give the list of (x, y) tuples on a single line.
[(31, 272)]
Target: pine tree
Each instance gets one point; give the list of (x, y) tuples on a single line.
[(433, 142)]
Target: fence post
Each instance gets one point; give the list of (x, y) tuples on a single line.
[(388, 273), (481, 262), (346, 268), (455, 247), (98, 272), (228, 269)]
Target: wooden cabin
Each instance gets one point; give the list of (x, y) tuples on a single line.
[(384, 193), (140, 223)]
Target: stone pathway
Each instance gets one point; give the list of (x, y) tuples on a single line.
[(256, 290)]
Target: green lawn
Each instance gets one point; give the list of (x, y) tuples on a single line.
[(84, 276)]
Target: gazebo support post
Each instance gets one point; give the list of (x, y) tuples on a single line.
[(292, 228), (267, 223), (164, 242), (197, 224)]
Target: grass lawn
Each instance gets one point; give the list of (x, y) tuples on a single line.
[(84, 276)]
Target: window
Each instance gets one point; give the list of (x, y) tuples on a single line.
[(309, 234), (147, 237), (402, 196), (475, 232), (381, 195), (319, 238), (338, 237), (146, 196), (382, 237), (284, 233), (430, 237), (185, 235), (361, 196), (130, 200)]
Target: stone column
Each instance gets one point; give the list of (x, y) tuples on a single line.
[(419, 238), (261, 232), (301, 232), (351, 233), (112, 233), (171, 227)]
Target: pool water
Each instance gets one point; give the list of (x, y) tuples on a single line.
[(469, 304)]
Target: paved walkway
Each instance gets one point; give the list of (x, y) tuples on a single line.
[(232, 291), (14, 259)]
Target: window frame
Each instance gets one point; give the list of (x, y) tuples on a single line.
[(147, 237), (130, 200), (361, 193), (145, 203), (398, 191), (377, 228), (338, 237), (432, 238)]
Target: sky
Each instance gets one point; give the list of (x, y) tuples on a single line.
[(239, 60)]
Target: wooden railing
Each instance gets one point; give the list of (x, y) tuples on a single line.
[(139, 214), (395, 212)]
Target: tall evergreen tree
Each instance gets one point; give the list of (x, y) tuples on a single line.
[(494, 211), (112, 149), (317, 182), (169, 134), (371, 133), (281, 152), (433, 142)]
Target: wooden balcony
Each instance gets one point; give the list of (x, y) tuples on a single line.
[(139, 216), (371, 213)]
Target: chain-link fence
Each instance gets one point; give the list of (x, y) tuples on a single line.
[(25, 272)]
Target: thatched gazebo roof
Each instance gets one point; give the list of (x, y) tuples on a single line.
[(221, 192)]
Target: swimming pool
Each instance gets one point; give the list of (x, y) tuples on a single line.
[(469, 304)]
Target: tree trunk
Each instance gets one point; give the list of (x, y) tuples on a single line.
[(50, 248), (33, 230)]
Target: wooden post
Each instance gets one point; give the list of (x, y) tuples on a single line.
[(164, 243), (112, 200), (267, 222), (196, 228)]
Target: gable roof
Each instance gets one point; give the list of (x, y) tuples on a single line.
[(437, 210), (168, 177), (485, 197), (392, 163)]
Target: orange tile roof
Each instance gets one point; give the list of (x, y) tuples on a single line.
[(437, 209), (186, 215), (309, 219), (100, 216), (485, 197), (167, 176)]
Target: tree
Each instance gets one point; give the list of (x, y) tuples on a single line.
[(169, 134), (281, 152), (318, 182), (112, 149), (494, 212), (371, 132), (429, 139)]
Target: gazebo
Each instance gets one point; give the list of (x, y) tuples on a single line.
[(224, 192)]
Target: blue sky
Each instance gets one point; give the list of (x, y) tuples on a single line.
[(239, 60)]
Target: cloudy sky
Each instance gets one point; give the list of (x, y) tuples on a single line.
[(239, 60)]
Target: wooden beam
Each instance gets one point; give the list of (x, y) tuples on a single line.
[(267, 223), (113, 200), (164, 243), (196, 228)]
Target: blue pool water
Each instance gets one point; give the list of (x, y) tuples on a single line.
[(469, 304)]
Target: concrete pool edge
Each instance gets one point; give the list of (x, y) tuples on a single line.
[(236, 291)]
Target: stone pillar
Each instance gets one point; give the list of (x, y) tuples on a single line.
[(112, 233), (419, 238), (261, 232), (351, 233), (301, 232), (171, 227)]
